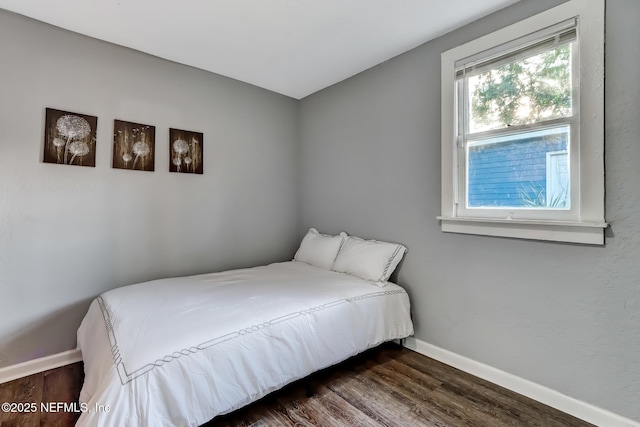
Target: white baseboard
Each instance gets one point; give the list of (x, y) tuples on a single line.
[(564, 403), (35, 366)]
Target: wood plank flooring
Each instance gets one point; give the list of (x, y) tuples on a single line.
[(386, 386), (57, 385)]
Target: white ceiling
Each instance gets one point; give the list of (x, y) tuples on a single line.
[(293, 47)]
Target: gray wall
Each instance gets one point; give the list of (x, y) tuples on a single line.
[(561, 315), (68, 233)]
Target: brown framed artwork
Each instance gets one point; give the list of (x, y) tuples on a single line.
[(134, 146), (69, 138), (185, 151)]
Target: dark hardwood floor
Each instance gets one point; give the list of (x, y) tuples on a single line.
[(57, 385), (386, 386)]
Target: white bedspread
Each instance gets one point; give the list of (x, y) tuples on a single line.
[(178, 352)]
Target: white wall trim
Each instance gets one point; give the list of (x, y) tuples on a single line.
[(522, 386), (42, 364)]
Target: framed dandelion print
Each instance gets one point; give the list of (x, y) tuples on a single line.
[(185, 151), (134, 146), (69, 138)]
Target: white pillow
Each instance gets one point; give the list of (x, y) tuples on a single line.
[(369, 259), (319, 249)]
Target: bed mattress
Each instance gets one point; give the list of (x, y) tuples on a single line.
[(179, 351)]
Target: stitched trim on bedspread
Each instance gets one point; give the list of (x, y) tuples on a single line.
[(126, 377)]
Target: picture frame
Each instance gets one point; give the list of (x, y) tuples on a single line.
[(133, 146), (185, 151), (69, 138)]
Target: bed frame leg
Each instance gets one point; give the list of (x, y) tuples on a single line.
[(309, 389), (399, 341)]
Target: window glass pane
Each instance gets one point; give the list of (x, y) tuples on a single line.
[(524, 170), (529, 90)]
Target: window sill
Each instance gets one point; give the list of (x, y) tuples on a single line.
[(588, 233)]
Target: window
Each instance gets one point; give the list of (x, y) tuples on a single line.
[(523, 129)]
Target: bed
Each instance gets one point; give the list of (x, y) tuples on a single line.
[(180, 351)]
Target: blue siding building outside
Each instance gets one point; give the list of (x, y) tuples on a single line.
[(506, 172)]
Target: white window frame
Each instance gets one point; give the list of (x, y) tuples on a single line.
[(586, 224)]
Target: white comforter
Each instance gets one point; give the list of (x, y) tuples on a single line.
[(178, 352)]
